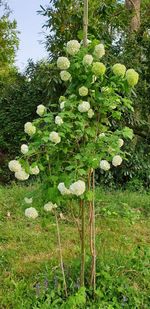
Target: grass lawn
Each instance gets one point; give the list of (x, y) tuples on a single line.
[(29, 255)]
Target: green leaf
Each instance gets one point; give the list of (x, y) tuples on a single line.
[(127, 133), (89, 195)]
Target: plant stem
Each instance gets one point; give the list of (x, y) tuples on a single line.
[(76, 220), (82, 243), (93, 233), (85, 23), (90, 215), (61, 257)]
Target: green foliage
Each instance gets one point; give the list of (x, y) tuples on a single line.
[(78, 146), (8, 41)]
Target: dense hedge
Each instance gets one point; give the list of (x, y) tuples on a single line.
[(19, 96)]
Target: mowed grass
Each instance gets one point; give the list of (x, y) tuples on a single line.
[(29, 254)]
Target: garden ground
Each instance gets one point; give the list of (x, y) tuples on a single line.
[(29, 255)]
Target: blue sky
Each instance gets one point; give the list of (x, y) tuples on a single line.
[(30, 27)]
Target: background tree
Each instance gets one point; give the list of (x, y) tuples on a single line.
[(134, 6), (8, 40)]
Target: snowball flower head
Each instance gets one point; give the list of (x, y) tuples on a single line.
[(117, 160), (62, 189), (104, 165), (14, 166), (99, 51), (119, 69), (132, 77), (73, 47), (78, 187), (90, 113), (54, 137), (62, 105), (29, 128), (31, 213), (40, 110), (120, 142), (34, 170), (87, 60), (24, 148), (98, 68), (84, 107), (58, 120), (63, 63), (65, 76), (49, 206), (21, 175), (83, 91), (28, 200)]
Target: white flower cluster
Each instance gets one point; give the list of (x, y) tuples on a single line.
[(24, 149), (83, 91), (104, 165), (62, 189), (90, 113), (21, 175), (98, 68), (65, 76), (31, 213), (87, 60), (28, 200), (99, 51), (29, 128), (62, 105), (132, 77), (77, 188), (16, 167), (58, 120), (84, 107), (54, 137), (34, 170), (116, 161), (73, 47), (119, 69), (50, 206), (120, 142), (63, 63), (41, 109)]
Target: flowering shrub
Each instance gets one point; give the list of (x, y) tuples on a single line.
[(65, 147)]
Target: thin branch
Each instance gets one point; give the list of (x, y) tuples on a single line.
[(76, 221), (61, 257)]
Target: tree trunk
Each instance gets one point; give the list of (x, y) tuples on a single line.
[(134, 6)]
